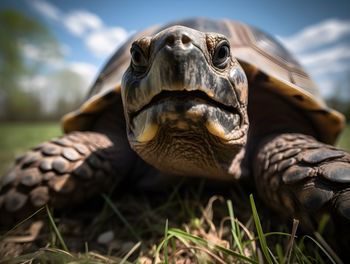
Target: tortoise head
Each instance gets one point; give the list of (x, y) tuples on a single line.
[(185, 102)]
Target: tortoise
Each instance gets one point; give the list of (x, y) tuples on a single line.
[(205, 98)]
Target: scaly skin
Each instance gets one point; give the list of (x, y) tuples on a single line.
[(61, 172), (295, 172)]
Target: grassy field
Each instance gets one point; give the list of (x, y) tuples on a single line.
[(15, 138), (344, 140), (189, 226)]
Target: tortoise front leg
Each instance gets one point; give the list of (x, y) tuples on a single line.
[(295, 172), (63, 172)]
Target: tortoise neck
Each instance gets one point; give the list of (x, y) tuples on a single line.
[(270, 113)]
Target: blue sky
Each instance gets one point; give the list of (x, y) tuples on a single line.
[(317, 32)]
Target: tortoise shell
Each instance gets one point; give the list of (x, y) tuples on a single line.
[(262, 57)]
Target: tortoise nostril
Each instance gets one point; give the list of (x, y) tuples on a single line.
[(170, 40), (177, 39), (185, 39)]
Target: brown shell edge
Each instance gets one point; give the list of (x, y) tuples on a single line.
[(80, 119), (328, 122)]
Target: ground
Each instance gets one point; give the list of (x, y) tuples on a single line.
[(189, 223)]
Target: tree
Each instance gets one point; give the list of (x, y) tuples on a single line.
[(17, 30), (67, 90)]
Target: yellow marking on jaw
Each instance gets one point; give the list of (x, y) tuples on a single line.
[(194, 115), (210, 94), (215, 129), (182, 125), (166, 116), (148, 133)]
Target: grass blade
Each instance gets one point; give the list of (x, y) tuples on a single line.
[(325, 245), (272, 256), (121, 217), (166, 242), (21, 222), (136, 246), (57, 232), (182, 235), (159, 247), (234, 227), (291, 241), (323, 223), (323, 250), (261, 235), (279, 253)]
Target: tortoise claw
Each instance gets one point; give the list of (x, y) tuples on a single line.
[(314, 196), (343, 204)]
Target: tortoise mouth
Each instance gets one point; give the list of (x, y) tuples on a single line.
[(185, 96), (186, 111)]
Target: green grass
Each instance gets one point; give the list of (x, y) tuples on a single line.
[(344, 139), (177, 227), (210, 241), (15, 138)]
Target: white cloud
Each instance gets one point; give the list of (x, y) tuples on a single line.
[(331, 69), (34, 83), (71, 81), (31, 51), (100, 39), (324, 50), (327, 87), (332, 60), (326, 56), (44, 54), (104, 42), (46, 9), (80, 22), (325, 32), (86, 71)]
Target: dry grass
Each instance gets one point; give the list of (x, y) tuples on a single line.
[(186, 224)]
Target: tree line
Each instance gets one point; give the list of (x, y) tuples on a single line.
[(20, 98)]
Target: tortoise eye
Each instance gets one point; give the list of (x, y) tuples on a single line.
[(221, 55), (138, 59)]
